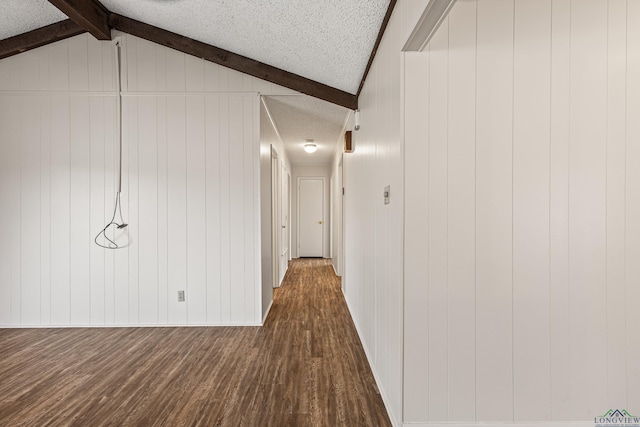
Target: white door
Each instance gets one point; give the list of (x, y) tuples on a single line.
[(310, 217), (284, 224)]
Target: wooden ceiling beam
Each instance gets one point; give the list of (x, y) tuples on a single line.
[(39, 37), (89, 14), (234, 61)]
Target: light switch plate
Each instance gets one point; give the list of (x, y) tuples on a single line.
[(387, 194)]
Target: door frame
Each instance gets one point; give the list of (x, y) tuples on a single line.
[(284, 222), (275, 220), (324, 222)]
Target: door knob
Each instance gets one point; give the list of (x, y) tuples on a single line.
[(319, 222)]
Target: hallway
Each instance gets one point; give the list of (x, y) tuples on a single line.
[(305, 367)]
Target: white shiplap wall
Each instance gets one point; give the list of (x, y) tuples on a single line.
[(190, 188), (522, 214), (373, 257)]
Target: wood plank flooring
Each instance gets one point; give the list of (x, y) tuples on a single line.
[(304, 367)]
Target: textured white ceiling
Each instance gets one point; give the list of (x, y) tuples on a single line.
[(328, 41), (20, 16), (301, 117)]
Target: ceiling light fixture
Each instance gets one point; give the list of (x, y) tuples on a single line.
[(310, 147)]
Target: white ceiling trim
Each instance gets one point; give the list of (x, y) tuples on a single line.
[(273, 123), (428, 24)]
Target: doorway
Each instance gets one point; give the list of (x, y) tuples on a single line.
[(275, 218), (285, 235), (311, 217)]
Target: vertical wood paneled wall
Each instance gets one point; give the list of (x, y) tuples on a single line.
[(373, 231), (522, 259), (190, 187)]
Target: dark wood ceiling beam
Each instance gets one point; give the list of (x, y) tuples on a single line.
[(39, 37), (383, 27), (89, 14), (233, 61)]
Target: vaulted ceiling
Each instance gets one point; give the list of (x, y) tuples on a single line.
[(322, 49)]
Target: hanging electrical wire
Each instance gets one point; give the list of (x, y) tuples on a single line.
[(107, 242), (117, 210)]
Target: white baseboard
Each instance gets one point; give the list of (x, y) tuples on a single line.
[(498, 424), (133, 325), (267, 312), (396, 422)]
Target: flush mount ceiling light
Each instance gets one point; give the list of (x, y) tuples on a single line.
[(309, 146)]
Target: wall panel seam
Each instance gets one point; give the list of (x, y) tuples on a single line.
[(626, 142), (513, 127), (475, 216)]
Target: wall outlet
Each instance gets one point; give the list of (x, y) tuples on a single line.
[(180, 296)]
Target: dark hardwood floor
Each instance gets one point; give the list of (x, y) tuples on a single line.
[(304, 367)]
